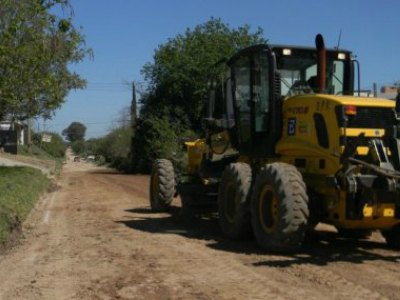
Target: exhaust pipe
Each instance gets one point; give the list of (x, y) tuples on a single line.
[(321, 64)]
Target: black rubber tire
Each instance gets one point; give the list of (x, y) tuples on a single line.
[(162, 185), (392, 237), (357, 234), (233, 201), (279, 208)]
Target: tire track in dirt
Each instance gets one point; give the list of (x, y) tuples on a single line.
[(223, 279), (321, 276), (341, 287), (33, 259), (101, 241)]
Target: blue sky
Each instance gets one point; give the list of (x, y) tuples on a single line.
[(125, 33)]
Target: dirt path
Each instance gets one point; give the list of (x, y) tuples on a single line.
[(95, 238)]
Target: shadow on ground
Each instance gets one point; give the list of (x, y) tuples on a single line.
[(197, 226), (320, 247)]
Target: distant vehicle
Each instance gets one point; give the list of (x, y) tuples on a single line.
[(77, 159), (91, 158)]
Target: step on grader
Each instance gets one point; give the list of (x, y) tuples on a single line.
[(289, 143)]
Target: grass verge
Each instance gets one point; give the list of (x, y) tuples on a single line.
[(20, 188), (34, 151), (37, 153)]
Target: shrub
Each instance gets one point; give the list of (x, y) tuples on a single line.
[(154, 138), (56, 147), (78, 147)]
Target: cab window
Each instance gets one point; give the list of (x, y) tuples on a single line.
[(243, 99), (261, 92)]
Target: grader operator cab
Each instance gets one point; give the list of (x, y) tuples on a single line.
[(287, 145)]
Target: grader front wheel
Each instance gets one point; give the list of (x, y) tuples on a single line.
[(279, 208), (162, 185), (233, 201)]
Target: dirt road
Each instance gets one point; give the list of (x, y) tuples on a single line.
[(95, 238)]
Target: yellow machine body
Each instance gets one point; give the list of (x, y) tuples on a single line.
[(299, 142), (320, 162)]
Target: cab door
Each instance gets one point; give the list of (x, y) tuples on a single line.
[(242, 98), (252, 94)]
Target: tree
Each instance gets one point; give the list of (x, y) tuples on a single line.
[(173, 104), (36, 49), (75, 132), (178, 76)]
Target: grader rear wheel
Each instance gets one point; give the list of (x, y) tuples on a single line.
[(233, 201), (279, 208), (162, 185)]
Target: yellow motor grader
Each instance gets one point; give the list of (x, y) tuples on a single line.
[(288, 145)]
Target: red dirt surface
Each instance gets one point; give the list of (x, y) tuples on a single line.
[(96, 238)]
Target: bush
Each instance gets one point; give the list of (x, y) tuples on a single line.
[(56, 148), (116, 144), (113, 149), (154, 138), (78, 147)]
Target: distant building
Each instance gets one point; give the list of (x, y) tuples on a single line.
[(12, 135), (388, 92), (364, 93)]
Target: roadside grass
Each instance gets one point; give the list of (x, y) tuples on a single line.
[(20, 188), (34, 151), (38, 153)]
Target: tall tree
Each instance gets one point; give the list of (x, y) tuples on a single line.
[(75, 132), (177, 86), (36, 48), (178, 76)]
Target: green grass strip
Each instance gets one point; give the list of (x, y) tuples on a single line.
[(20, 188)]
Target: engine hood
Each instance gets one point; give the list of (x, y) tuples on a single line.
[(342, 100)]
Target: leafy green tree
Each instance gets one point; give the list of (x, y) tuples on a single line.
[(36, 49), (75, 132), (178, 76), (173, 105)]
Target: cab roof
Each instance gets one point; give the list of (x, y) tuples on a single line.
[(276, 48)]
